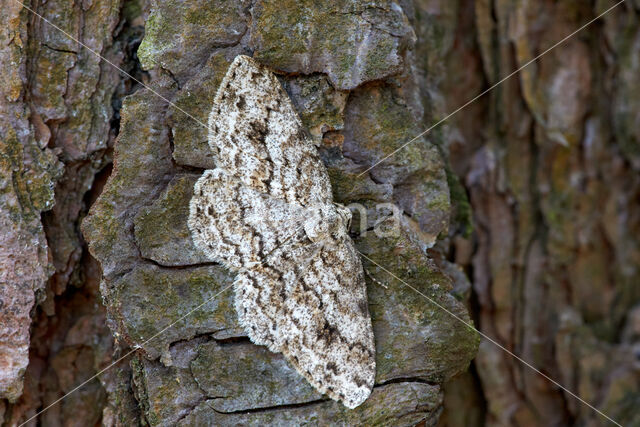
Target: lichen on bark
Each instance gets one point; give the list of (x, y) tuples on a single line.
[(153, 274), (55, 131), (549, 158), (28, 172)]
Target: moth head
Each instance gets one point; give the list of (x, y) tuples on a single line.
[(327, 221)]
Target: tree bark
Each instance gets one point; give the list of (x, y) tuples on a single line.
[(547, 163), (550, 159), (56, 132)]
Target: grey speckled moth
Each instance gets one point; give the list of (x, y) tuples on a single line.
[(266, 212)]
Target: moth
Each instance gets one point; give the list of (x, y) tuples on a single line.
[(266, 212)]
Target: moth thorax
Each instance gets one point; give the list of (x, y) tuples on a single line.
[(326, 221)]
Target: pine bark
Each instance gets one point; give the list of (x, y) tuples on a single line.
[(532, 192)]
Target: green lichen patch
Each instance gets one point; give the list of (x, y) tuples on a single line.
[(349, 186), (29, 175), (171, 392), (246, 377), (151, 298), (141, 163), (66, 17), (190, 146), (379, 124), (319, 105), (402, 404), (342, 39), (417, 332), (180, 34), (462, 216), (161, 229), (50, 82)]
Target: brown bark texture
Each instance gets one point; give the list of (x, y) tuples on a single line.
[(519, 214)]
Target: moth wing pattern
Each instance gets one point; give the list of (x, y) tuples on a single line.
[(315, 313), (302, 297), (228, 220), (258, 137)]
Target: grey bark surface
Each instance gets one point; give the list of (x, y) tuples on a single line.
[(153, 275)]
